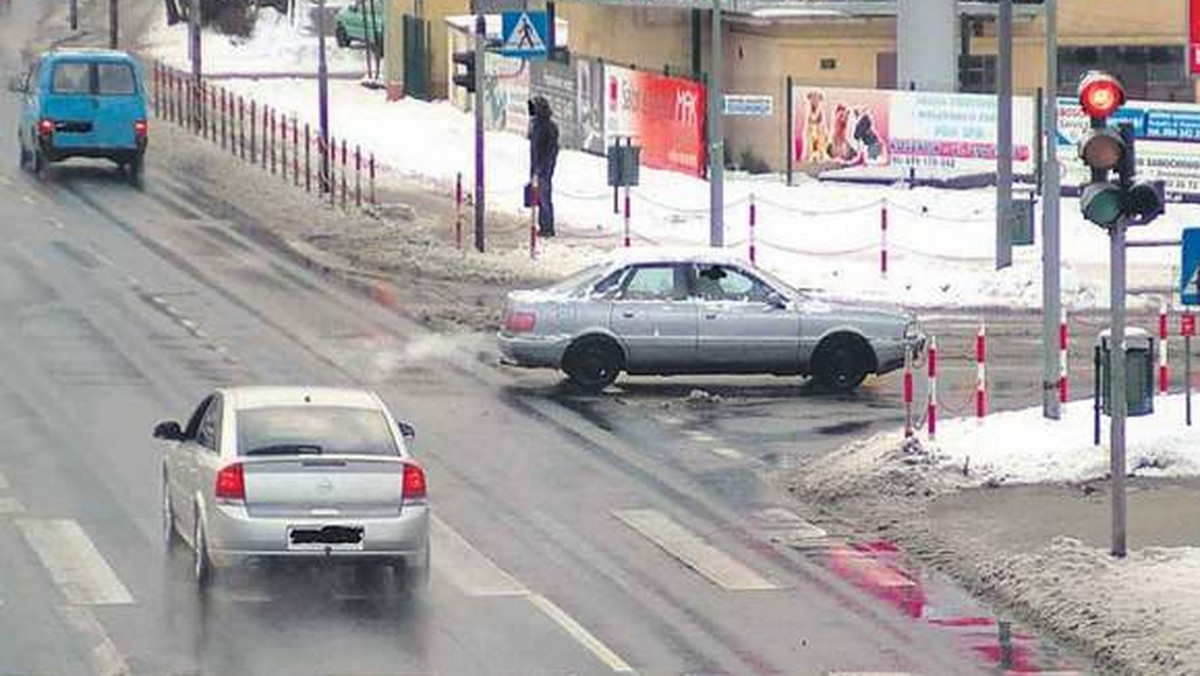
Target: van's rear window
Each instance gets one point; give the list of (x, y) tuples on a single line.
[(71, 77), (114, 79)]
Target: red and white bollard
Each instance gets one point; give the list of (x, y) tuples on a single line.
[(753, 223), (883, 239), (981, 373), (1164, 374), (931, 414), (1063, 391), (908, 395), (628, 231)]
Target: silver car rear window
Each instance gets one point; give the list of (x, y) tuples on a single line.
[(313, 430)]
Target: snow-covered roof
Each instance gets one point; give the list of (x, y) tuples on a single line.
[(667, 254)]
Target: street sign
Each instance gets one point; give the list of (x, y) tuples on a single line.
[(1022, 221), (1189, 286), (754, 105), (1187, 325), (523, 34)]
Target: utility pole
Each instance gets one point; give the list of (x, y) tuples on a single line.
[(1004, 154), (113, 23), (716, 134), (73, 14), (480, 201), (194, 53), (1051, 256), (1116, 394), (323, 98)]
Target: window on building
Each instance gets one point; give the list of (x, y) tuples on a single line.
[(1153, 72), (977, 73)]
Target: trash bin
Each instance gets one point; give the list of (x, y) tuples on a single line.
[(1139, 371)]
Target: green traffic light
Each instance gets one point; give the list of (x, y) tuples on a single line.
[(1102, 203)]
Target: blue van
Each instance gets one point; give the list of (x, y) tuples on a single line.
[(83, 103)]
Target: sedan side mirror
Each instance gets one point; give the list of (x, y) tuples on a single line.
[(169, 431), (407, 430), (777, 301)]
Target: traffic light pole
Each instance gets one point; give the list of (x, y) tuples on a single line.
[(1051, 250), (1117, 395), (480, 201)]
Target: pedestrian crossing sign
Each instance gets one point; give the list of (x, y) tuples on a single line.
[(524, 34), (1189, 277)]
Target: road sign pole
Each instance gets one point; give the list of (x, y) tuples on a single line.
[(1004, 99), (1187, 378), (716, 134), (1117, 395), (480, 201), (1051, 232), (322, 100)]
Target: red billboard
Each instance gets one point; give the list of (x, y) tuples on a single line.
[(664, 115), (1194, 37)]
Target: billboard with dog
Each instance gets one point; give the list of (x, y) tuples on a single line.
[(835, 128)]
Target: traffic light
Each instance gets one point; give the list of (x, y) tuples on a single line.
[(466, 77), (1105, 149)]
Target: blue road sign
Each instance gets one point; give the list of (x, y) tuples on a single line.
[(1189, 286), (524, 34)]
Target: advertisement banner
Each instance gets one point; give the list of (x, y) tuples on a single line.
[(506, 94), (836, 127), (555, 81), (1193, 49), (589, 104), (664, 115), (1168, 143)]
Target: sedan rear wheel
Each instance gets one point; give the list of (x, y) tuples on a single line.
[(202, 567), (842, 363), (592, 363), (170, 534)]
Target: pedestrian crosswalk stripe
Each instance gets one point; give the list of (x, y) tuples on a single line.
[(74, 563), (694, 552), (106, 660)]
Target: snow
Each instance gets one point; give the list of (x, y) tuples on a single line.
[(815, 235)]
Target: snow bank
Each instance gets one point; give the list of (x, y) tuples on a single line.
[(813, 235), (1140, 614)]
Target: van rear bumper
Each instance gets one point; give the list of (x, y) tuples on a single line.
[(54, 153)]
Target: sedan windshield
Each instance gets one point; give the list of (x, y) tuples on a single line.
[(313, 430)]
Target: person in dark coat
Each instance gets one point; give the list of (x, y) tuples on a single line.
[(543, 155)]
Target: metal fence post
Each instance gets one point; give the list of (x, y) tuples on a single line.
[(253, 124), (357, 176), (295, 152), (307, 158)]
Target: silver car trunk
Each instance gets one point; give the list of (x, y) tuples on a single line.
[(323, 486)]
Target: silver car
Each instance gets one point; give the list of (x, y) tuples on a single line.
[(294, 472), (697, 311)]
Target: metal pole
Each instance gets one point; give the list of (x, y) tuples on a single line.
[(1004, 97), (1117, 396), (789, 129), (322, 99), (73, 14), (1187, 378), (1051, 250), (194, 50), (716, 134), (480, 201), (113, 23)]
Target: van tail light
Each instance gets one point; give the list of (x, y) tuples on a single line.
[(520, 322), (231, 483), (140, 129), (413, 483), (45, 127)]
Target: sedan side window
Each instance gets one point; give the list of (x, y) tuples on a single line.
[(719, 282), (210, 426), (656, 283), (193, 425)]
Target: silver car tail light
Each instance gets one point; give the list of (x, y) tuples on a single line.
[(414, 488), (231, 483), (520, 322)]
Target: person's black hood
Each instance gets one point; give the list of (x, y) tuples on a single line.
[(539, 108)]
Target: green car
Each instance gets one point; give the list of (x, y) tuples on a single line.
[(362, 22)]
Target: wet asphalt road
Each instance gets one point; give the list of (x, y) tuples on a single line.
[(631, 532)]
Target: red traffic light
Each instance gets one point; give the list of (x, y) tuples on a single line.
[(1100, 94)]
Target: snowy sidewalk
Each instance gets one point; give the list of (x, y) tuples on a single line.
[(814, 235)]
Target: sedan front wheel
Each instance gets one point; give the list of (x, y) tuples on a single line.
[(842, 362)]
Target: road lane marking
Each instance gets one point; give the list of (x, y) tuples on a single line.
[(778, 518), (580, 634), (10, 505), (4, 485), (28, 199), (669, 420), (720, 568), (74, 563), (466, 567), (701, 436), (102, 653), (728, 453), (56, 223)]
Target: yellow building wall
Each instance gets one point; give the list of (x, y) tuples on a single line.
[(435, 12), (649, 38)]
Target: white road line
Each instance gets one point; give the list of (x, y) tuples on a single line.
[(580, 634), (10, 505), (669, 420), (74, 563), (778, 518), (56, 223), (4, 485), (28, 199), (728, 453), (712, 563), (701, 436), (102, 653), (466, 567)]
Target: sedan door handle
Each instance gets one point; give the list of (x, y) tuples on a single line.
[(710, 315), (628, 314)]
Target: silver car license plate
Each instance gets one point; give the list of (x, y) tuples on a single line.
[(321, 538)]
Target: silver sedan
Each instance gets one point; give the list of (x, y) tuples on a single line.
[(697, 311), (294, 472)]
